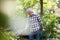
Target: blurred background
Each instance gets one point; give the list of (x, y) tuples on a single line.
[(13, 18)]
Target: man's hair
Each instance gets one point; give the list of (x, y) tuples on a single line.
[(30, 10)]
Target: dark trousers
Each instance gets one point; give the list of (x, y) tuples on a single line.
[(31, 36)]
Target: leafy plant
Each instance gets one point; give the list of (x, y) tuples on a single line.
[(50, 22), (5, 34)]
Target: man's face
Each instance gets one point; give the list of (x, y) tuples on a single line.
[(30, 13)]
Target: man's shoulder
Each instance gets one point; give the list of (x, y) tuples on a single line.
[(36, 15)]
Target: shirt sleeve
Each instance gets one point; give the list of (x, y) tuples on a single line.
[(39, 20)]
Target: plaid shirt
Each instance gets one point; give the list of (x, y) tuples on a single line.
[(34, 22)]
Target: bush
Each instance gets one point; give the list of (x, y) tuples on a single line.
[(5, 34), (50, 22)]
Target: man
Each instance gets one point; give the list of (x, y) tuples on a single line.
[(35, 24)]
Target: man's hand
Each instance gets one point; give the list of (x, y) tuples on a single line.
[(42, 28)]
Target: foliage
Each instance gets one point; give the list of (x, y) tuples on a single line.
[(29, 3), (3, 19), (5, 34), (22, 5), (58, 20), (3, 24), (49, 5), (50, 22)]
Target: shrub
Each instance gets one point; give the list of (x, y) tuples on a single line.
[(50, 22)]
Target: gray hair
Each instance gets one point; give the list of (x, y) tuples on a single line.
[(30, 9)]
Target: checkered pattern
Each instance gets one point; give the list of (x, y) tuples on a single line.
[(34, 22)]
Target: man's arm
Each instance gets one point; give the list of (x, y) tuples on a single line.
[(42, 27), (40, 22)]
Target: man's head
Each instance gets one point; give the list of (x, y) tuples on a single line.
[(30, 11)]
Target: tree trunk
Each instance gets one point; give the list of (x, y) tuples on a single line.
[(41, 3)]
